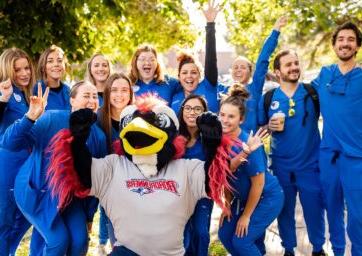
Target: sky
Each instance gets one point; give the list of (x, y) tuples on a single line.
[(198, 20)]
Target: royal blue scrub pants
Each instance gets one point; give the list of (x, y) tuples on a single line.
[(307, 184), (197, 235), (341, 178), (264, 214), (13, 225), (103, 226), (67, 235)]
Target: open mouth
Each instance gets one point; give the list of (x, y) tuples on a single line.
[(139, 139)]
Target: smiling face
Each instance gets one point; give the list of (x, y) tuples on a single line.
[(191, 110), (240, 71), (99, 69), (55, 66), (120, 94), (189, 77), (146, 66), (230, 119), (346, 45), (22, 72), (289, 70), (85, 97)]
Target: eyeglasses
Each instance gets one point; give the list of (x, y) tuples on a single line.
[(144, 60), (197, 110), (291, 111)]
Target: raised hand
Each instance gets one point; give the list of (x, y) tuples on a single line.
[(255, 141), (37, 104), (281, 22), (6, 90), (212, 10)]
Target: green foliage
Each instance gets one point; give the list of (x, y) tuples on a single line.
[(217, 249), (81, 28), (311, 24)]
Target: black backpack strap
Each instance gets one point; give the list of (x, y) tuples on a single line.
[(268, 96), (312, 93)]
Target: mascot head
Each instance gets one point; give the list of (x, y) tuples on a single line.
[(148, 131)]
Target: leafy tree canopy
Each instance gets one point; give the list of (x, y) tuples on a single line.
[(113, 27), (311, 24)]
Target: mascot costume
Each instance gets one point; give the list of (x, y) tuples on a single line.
[(147, 192)]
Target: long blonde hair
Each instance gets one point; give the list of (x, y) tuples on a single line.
[(7, 68)]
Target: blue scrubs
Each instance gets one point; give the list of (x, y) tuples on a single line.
[(64, 232), (206, 89), (340, 97), (12, 223), (58, 98), (267, 209), (165, 89), (294, 161), (255, 88), (196, 235)]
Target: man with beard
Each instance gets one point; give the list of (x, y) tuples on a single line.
[(293, 120), (339, 88)]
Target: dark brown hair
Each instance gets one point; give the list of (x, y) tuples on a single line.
[(183, 127), (276, 63), (186, 58), (347, 26)]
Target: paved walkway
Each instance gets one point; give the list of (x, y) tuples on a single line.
[(272, 239)]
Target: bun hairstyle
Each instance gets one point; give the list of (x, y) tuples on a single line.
[(237, 96), (186, 58)]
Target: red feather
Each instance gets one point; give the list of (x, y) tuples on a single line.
[(61, 175), (117, 147), (219, 172), (180, 146), (147, 101)]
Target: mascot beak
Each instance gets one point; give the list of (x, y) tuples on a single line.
[(141, 138)]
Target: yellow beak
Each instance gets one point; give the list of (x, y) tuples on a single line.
[(153, 137)]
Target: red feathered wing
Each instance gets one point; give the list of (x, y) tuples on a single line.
[(62, 178), (219, 172)]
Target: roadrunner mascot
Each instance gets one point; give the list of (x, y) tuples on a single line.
[(148, 192)]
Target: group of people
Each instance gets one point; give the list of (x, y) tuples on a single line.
[(325, 171)]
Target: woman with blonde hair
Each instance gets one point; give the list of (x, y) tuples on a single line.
[(17, 76), (97, 72)]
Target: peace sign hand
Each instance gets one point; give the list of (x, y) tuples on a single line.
[(38, 104), (6, 90), (212, 10)]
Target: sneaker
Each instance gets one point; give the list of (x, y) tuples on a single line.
[(320, 253), (102, 250), (287, 253)]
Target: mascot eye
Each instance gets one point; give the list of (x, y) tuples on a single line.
[(163, 120), (126, 120)]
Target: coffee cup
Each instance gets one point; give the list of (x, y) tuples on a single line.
[(280, 117)]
